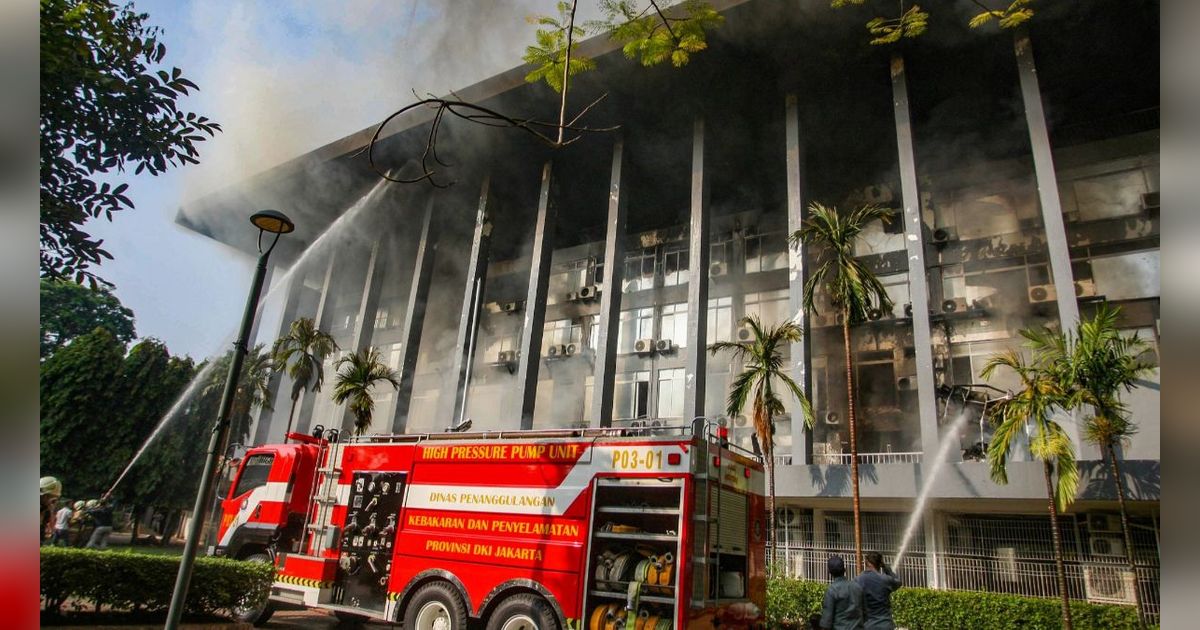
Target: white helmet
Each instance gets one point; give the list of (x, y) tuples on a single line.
[(78, 505), (51, 486), (91, 503)]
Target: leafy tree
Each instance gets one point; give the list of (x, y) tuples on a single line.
[(357, 374), (301, 352), (151, 381), (69, 310), (105, 104), (854, 291), (1045, 388), (78, 420), (1102, 364), (763, 365)]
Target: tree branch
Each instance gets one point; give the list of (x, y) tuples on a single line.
[(665, 21), (562, 110)]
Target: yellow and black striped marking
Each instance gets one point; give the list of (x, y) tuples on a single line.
[(393, 596), (299, 581)]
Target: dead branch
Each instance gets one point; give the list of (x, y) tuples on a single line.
[(551, 134)]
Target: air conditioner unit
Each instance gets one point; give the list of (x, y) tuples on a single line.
[(942, 235), (1107, 546), (1103, 522), (1151, 201), (506, 356), (664, 345), (644, 346), (588, 292), (556, 350), (832, 417), (744, 333), (718, 269), (1108, 584), (786, 516), (739, 421), (1006, 563), (1085, 288), (1042, 293), (954, 305), (572, 348), (572, 296), (906, 383), (510, 307)]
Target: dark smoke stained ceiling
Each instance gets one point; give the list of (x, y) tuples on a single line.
[(766, 48)]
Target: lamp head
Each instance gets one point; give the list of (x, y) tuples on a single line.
[(272, 221)]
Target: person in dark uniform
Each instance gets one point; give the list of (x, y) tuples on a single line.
[(878, 583), (843, 605)]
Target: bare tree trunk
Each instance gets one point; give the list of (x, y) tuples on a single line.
[(1056, 536), (1119, 481), (769, 460), (858, 554)]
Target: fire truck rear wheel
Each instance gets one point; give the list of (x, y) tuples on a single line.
[(435, 606), (523, 612), (260, 614)]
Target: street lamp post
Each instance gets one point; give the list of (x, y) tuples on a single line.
[(267, 221)]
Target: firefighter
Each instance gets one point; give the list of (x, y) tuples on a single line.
[(50, 491)]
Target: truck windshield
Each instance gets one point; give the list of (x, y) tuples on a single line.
[(254, 473)]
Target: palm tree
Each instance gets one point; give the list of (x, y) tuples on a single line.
[(1045, 387), (357, 374), (764, 364), (853, 290), (253, 389), (301, 352), (1103, 362)]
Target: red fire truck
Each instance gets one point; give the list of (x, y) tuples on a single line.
[(645, 528)]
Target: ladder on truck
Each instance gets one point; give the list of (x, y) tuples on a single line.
[(316, 534)]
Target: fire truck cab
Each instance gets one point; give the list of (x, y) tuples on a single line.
[(604, 528)]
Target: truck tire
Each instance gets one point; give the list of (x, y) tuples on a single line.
[(523, 612), (435, 606), (260, 614)]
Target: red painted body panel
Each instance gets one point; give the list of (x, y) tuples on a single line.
[(491, 511)]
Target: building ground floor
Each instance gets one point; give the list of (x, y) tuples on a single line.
[(983, 545)]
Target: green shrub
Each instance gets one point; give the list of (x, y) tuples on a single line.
[(790, 602), (142, 582)]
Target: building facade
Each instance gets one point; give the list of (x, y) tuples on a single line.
[(579, 287)]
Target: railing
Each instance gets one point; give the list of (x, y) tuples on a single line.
[(1086, 581), (868, 458)]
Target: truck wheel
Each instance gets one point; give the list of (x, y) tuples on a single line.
[(260, 613), (523, 612), (435, 606)]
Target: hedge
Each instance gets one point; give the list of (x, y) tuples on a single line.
[(143, 582), (791, 602)]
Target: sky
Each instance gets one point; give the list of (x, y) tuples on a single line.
[(282, 78)]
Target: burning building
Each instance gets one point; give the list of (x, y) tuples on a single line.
[(579, 287)]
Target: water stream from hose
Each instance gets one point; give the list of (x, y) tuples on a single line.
[(949, 440), (338, 226)]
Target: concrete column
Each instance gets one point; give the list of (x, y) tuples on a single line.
[(468, 323), (414, 316), (322, 320), (698, 254), (914, 241), (1057, 248), (797, 274), (280, 396), (610, 298), (530, 357), (368, 306), (933, 548)]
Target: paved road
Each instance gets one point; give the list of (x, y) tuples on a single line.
[(315, 619)]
